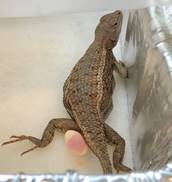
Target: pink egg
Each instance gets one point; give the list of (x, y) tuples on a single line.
[(75, 143)]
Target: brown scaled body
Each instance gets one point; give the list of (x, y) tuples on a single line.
[(88, 97)]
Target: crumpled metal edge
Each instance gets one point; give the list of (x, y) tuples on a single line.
[(164, 174)]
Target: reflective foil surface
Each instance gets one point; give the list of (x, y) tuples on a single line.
[(149, 46)]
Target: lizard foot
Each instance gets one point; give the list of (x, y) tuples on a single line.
[(20, 138), (122, 168)]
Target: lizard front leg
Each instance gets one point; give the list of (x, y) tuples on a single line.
[(120, 68), (114, 138), (59, 124)]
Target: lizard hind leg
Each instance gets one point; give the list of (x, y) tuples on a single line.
[(59, 124), (114, 138)]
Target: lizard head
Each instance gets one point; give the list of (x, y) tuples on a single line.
[(109, 28)]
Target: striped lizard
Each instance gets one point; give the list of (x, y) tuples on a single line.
[(88, 97)]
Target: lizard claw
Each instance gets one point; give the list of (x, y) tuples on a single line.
[(122, 168), (18, 138), (33, 148), (21, 137)]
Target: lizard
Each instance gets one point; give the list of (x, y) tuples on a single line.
[(87, 97)]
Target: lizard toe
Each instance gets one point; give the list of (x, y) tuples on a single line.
[(122, 168)]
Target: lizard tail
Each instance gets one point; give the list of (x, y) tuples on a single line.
[(95, 138), (106, 164), (93, 129)]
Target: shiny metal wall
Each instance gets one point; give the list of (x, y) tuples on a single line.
[(149, 45)]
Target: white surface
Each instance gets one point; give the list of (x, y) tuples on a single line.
[(37, 54), (45, 7), (23, 8)]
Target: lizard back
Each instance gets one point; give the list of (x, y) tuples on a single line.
[(89, 87)]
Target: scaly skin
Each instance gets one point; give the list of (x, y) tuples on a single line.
[(88, 97)]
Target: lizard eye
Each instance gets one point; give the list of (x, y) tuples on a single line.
[(113, 24), (118, 12)]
